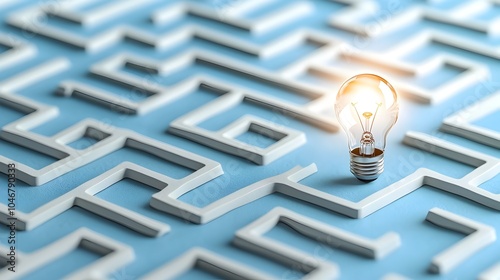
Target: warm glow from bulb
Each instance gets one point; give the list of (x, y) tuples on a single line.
[(367, 108)]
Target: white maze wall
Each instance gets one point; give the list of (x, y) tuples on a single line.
[(199, 138)]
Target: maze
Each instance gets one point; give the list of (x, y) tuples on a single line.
[(197, 140)]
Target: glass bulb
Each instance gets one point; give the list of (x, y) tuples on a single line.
[(367, 107)]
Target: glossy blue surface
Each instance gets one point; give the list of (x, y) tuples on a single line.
[(421, 240)]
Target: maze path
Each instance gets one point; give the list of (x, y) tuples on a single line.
[(114, 255), (333, 59)]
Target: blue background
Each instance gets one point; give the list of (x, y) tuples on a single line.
[(421, 240)]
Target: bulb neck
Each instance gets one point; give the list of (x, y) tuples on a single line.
[(367, 168)]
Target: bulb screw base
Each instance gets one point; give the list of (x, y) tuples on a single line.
[(367, 168)]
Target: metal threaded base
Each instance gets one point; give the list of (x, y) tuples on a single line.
[(367, 168)]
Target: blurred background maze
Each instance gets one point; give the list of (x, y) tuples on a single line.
[(197, 139)]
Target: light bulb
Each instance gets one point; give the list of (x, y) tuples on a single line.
[(367, 107)]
